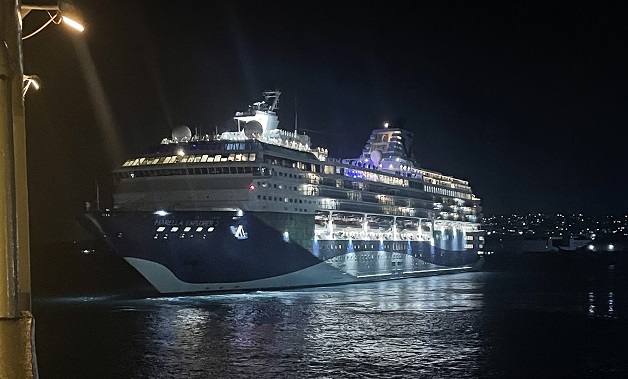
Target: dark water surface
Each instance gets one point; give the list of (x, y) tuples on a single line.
[(530, 324)]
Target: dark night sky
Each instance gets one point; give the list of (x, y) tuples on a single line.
[(526, 101)]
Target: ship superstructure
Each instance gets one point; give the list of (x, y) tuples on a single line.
[(259, 208)]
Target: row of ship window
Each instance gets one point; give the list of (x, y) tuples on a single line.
[(237, 170), (190, 171), (224, 170), (251, 157), (275, 185), (185, 229), (349, 195), (204, 158), (447, 192), (286, 200), (162, 231), (207, 158), (206, 146), (182, 235), (352, 184), (256, 171)]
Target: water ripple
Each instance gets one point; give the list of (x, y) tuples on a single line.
[(458, 326)]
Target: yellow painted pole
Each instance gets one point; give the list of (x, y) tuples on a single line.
[(17, 344)]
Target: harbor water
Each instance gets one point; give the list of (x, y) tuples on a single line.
[(492, 324)]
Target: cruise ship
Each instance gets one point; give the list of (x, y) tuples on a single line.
[(259, 208)]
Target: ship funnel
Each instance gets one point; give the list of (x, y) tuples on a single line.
[(389, 147)]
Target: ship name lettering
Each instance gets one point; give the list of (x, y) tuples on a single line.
[(163, 222), (198, 223)]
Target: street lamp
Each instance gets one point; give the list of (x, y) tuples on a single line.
[(63, 12), (17, 343)]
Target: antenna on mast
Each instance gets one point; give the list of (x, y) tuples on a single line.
[(296, 112)]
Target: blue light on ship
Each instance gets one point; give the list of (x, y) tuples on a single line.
[(356, 174), (350, 246), (316, 248)]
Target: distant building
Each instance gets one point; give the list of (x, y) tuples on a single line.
[(537, 232)]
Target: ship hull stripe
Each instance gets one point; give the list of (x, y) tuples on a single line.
[(321, 274)]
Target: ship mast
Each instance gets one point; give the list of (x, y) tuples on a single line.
[(274, 95), (296, 112)]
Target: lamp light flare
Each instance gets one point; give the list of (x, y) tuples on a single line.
[(30, 81), (72, 23)]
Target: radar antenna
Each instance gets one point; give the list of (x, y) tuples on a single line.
[(272, 96)]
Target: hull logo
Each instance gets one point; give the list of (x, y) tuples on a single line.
[(239, 232)]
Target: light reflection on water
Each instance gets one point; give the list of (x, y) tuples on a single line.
[(456, 326), (332, 332)]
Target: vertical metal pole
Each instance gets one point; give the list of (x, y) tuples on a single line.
[(9, 66), (17, 346), (21, 181)]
